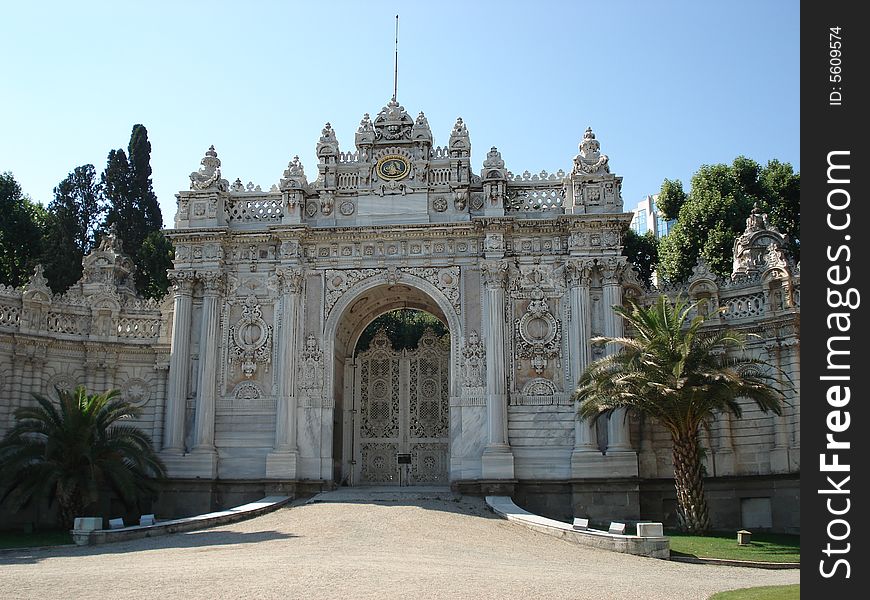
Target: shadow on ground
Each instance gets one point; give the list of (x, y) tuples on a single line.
[(193, 539)]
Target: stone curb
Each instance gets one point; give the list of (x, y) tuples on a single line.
[(652, 547), (735, 563), (135, 532)]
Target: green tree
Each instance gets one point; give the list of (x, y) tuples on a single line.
[(134, 211), (714, 213), (21, 224), (403, 326), (677, 374), (643, 252), (671, 198), (72, 450), (155, 259), (71, 226)]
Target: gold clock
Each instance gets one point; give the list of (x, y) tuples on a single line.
[(393, 167)]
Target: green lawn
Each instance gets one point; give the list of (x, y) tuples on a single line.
[(776, 592), (18, 539), (768, 547)]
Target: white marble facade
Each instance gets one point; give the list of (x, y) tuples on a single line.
[(247, 371)]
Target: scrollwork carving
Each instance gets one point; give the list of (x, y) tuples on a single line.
[(473, 362), (538, 332), (251, 339)]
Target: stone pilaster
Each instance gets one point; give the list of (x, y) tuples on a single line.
[(281, 462), (203, 426), (585, 456), (498, 459), (161, 370), (618, 443), (179, 363)]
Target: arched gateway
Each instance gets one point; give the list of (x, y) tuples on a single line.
[(273, 288), (248, 375)]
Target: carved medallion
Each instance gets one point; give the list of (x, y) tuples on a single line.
[(251, 339), (346, 208), (393, 167)]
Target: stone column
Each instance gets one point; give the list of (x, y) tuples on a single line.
[(281, 462), (579, 332), (179, 362), (611, 269), (498, 460), (203, 425), (779, 455), (161, 368), (621, 458)]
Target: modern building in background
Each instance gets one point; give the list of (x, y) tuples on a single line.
[(647, 218)]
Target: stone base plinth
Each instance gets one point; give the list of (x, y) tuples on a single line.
[(281, 465), (197, 464), (595, 465), (497, 462)]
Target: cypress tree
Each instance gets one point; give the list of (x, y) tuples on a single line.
[(135, 213), (21, 222), (70, 232)]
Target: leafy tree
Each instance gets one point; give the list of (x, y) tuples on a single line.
[(678, 375), (643, 252), (21, 224), (134, 211), (70, 450), (155, 258), (71, 226), (671, 198), (404, 327), (714, 213)]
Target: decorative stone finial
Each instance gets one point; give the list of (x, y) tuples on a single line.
[(294, 176), (328, 144), (209, 174), (760, 247), (460, 144), (493, 159), (590, 161), (365, 134), (420, 131), (393, 123), (110, 241)]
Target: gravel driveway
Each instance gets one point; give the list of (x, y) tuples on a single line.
[(352, 550)]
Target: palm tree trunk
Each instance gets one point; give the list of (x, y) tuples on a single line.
[(691, 503)]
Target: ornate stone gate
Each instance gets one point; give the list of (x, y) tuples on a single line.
[(245, 371), (401, 400)]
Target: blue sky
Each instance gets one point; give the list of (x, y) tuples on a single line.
[(666, 86)]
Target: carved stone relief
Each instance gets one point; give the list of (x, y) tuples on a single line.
[(310, 375), (538, 332), (251, 339)]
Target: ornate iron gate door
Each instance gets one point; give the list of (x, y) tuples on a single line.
[(402, 400)]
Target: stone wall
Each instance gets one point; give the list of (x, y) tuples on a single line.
[(97, 334), (245, 370)]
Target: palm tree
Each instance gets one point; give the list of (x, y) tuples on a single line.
[(682, 377), (71, 450)]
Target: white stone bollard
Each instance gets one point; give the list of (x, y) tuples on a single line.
[(617, 528), (650, 530), (146, 520), (581, 524), (87, 523), (116, 523)]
